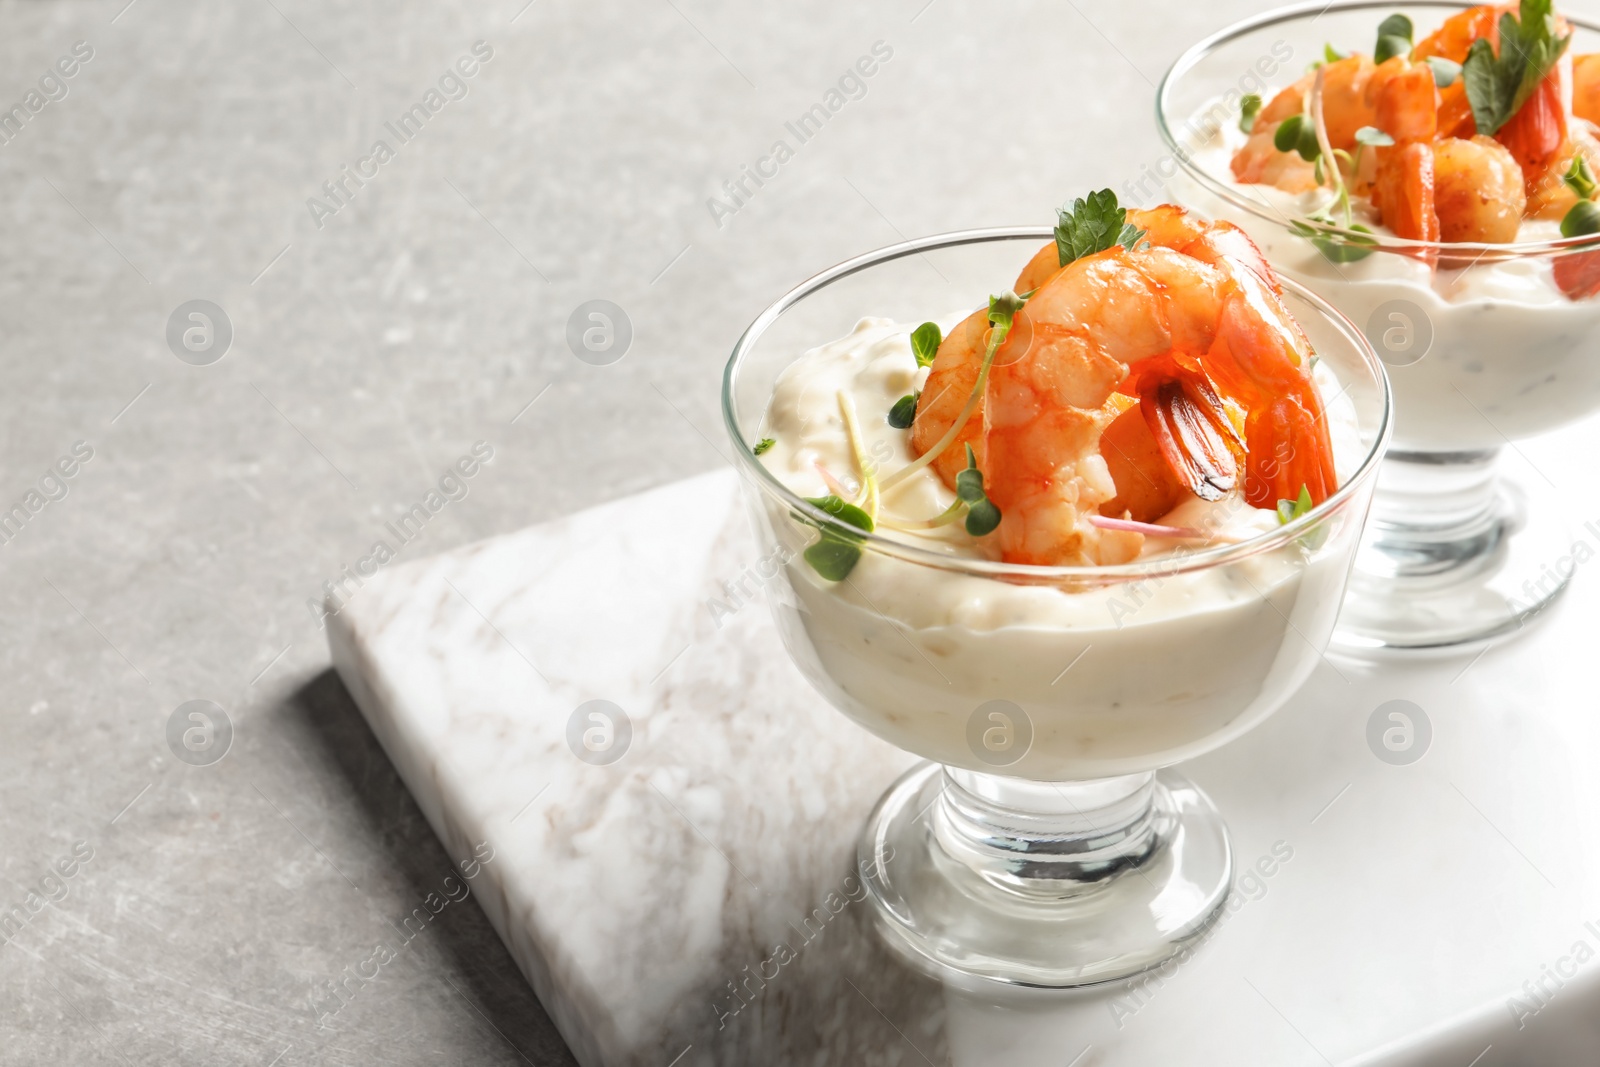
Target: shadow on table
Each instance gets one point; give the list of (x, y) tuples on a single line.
[(482, 967)]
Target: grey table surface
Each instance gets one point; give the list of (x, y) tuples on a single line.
[(372, 346)]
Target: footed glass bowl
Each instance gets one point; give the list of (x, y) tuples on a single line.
[(1039, 845), (1481, 344)]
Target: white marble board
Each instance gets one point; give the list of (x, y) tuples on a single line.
[(659, 904)]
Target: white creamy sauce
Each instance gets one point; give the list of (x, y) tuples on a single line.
[(1476, 355), (1166, 663)]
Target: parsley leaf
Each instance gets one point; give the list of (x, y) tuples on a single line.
[(1498, 86), (982, 515), (904, 412), (838, 552), (762, 445), (925, 342), (1290, 510), (1249, 107), (1093, 225)]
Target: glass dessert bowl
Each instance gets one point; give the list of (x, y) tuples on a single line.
[(1039, 845), (1481, 307)]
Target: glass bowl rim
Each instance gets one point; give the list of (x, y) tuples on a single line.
[(1177, 563), (1201, 49)]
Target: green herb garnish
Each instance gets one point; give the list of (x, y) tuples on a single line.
[(1498, 86), (1331, 54), (1290, 510), (982, 515), (1297, 134), (1394, 38), (1348, 247), (762, 446), (904, 411), (1582, 221), (1580, 179), (1093, 225), (1445, 72), (1249, 107), (1371, 135), (925, 342), (838, 552)]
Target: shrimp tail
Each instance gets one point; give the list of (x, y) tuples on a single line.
[(1289, 450), (1191, 427)]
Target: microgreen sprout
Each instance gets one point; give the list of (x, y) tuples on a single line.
[(1394, 38), (1290, 510), (904, 412), (837, 552), (1249, 108), (925, 342), (982, 515), (762, 446)]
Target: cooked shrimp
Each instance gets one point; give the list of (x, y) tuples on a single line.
[(1169, 226), (1405, 102), (1129, 382), (944, 395), (1260, 162), (1403, 191), (1477, 191), (1551, 197), (1455, 35), (1586, 87), (1261, 360), (1050, 404), (1537, 131)]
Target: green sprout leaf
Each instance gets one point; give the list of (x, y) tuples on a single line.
[(1371, 135), (762, 446), (904, 412), (1290, 510), (1249, 107), (1295, 134), (925, 342), (1580, 179), (1093, 225), (1445, 72), (1331, 54), (982, 515), (1582, 221), (838, 551), (1498, 86), (1394, 38), (1351, 247)]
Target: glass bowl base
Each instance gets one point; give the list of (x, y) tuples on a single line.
[(1483, 575), (1124, 902)]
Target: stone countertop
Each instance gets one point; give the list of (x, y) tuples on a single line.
[(377, 336)]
